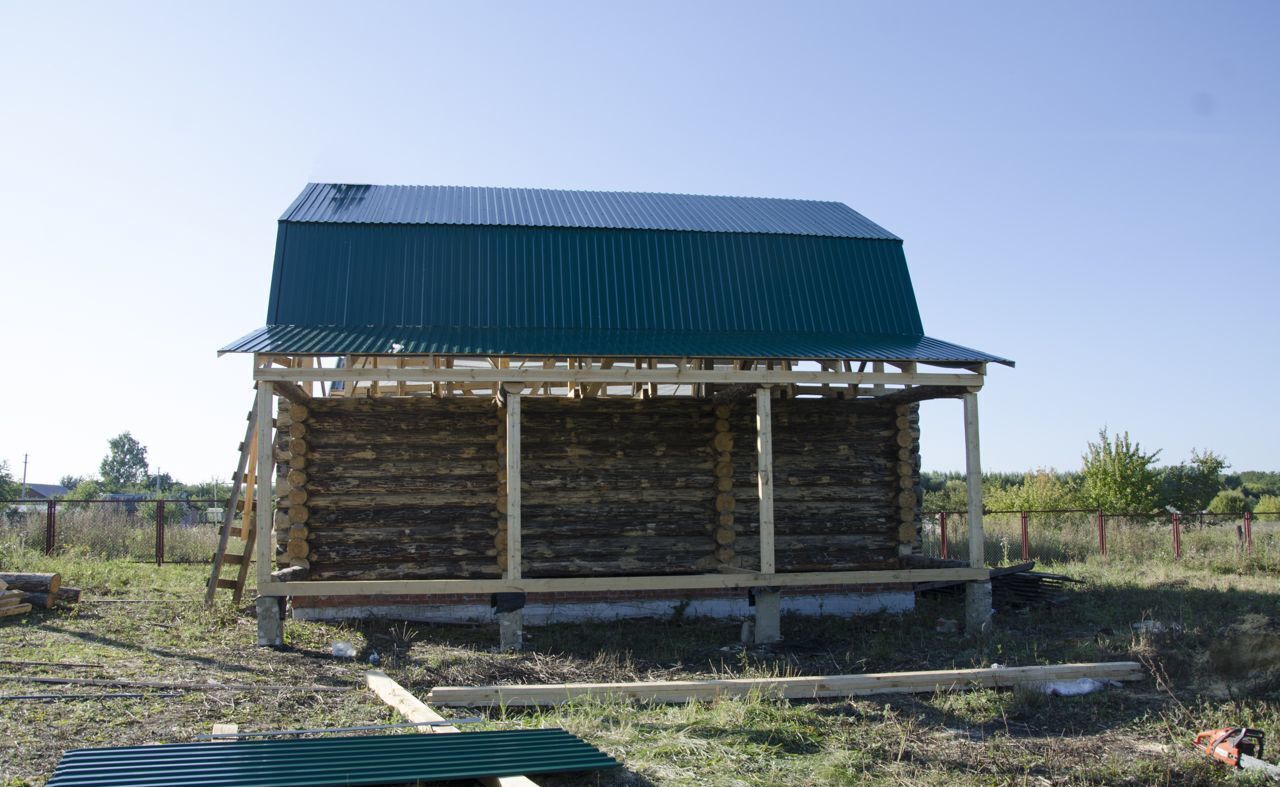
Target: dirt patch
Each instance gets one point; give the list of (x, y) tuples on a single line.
[(1244, 657)]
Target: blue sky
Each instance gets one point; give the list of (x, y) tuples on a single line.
[(1088, 188)]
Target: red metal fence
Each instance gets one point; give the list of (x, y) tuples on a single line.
[(1073, 534), (173, 530), (134, 527)]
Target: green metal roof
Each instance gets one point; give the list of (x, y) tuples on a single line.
[(367, 269), (333, 761)]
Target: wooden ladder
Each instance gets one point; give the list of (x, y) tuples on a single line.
[(242, 490)]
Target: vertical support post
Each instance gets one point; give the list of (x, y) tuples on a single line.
[(1248, 531), (1102, 533), (270, 627), (513, 394), (973, 470), (159, 532), (511, 620), (1026, 546), (977, 594), (1177, 536), (944, 551), (767, 601), (764, 477), (50, 526)]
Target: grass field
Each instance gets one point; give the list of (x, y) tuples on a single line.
[(1214, 664)]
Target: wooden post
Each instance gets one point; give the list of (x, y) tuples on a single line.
[(270, 632), (159, 532), (977, 594), (764, 477), (50, 526), (1026, 546), (768, 618), (513, 393), (511, 622), (973, 469)]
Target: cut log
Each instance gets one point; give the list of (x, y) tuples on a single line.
[(41, 599), (40, 583), (16, 609)]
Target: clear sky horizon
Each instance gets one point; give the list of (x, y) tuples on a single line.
[(1087, 188)]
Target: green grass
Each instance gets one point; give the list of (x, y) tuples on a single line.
[(1132, 735)]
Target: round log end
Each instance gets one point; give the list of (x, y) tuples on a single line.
[(725, 503), (725, 536), (298, 514)]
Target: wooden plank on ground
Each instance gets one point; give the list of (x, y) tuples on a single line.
[(416, 710), (681, 691), (225, 729)]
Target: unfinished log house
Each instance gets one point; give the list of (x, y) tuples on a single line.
[(552, 404)]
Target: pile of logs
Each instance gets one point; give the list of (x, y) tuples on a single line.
[(20, 592)]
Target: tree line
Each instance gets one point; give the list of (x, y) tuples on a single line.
[(1116, 475), (124, 470)]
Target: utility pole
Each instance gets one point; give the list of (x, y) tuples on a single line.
[(24, 476)]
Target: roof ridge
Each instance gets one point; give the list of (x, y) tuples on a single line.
[(361, 203), (580, 191)]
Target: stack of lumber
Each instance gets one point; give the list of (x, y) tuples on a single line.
[(1011, 586), (19, 592)]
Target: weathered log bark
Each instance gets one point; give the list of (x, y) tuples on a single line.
[(31, 583)]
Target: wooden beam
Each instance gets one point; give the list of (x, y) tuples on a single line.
[(973, 470), (417, 711), (513, 482), (764, 477), (374, 587), (826, 686), (651, 376), (291, 392), (265, 475)]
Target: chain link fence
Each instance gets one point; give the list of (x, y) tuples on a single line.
[(129, 527)]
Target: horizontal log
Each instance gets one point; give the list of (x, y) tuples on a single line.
[(32, 582), (402, 516)]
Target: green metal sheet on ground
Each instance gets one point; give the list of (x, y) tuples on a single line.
[(332, 761)]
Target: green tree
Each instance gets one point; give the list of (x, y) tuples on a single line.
[(1043, 490), (953, 496), (1229, 501), (9, 489), (1268, 506), (1118, 475), (125, 464), (1190, 486), (72, 481)]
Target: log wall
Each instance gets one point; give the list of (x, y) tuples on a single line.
[(413, 488)]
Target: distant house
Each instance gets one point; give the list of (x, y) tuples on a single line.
[(45, 491)]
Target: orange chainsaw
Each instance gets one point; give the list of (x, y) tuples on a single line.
[(1237, 747)]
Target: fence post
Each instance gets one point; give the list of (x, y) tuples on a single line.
[(1248, 531), (50, 526), (159, 532), (942, 524), (1102, 534), (1177, 537), (1026, 547)]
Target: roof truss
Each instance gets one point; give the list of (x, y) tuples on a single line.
[(577, 377)]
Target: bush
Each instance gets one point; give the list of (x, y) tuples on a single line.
[(1229, 501), (1268, 504)]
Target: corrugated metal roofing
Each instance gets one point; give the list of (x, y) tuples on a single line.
[(431, 340), (496, 286), (471, 205), (589, 279), (330, 762)]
